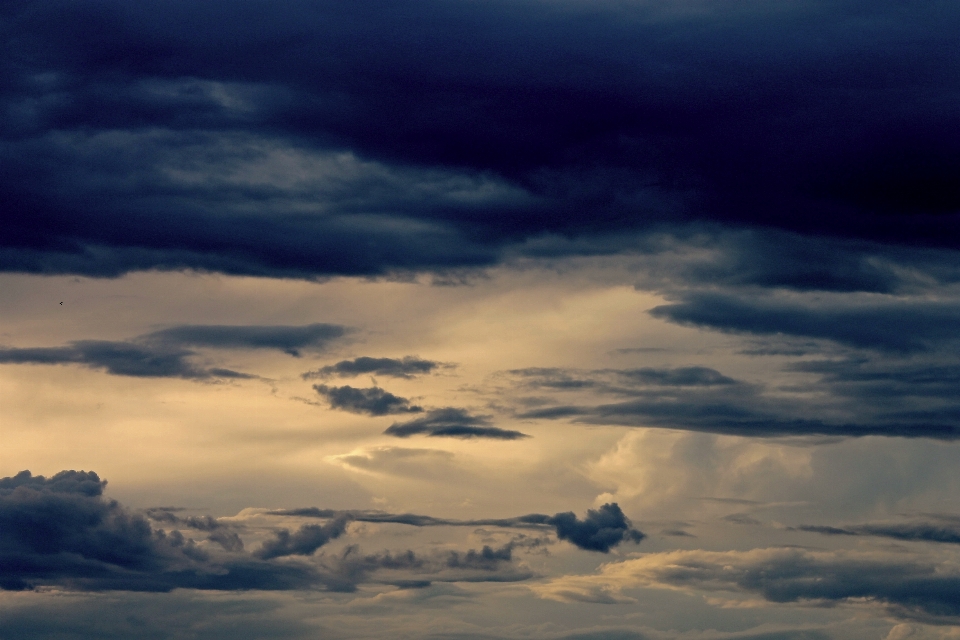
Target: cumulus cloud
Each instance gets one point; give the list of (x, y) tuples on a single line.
[(451, 422), (61, 531), (406, 367), (372, 401)]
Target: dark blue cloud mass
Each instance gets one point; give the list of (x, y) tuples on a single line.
[(361, 137)]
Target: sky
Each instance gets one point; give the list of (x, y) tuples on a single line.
[(480, 319)]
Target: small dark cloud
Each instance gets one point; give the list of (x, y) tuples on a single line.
[(619, 381), (486, 559), (289, 339), (600, 530), (679, 377), (406, 367), (678, 533), (303, 542), (451, 422), (741, 518), (372, 401)]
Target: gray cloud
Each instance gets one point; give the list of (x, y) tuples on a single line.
[(289, 339), (947, 532), (406, 367), (451, 422), (600, 530), (303, 542), (62, 531), (373, 401), (908, 587), (164, 354), (856, 397), (895, 325)]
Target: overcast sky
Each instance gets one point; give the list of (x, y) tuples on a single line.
[(480, 319)]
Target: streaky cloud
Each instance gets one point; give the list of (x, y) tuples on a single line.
[(451, 422), (406, 367), (600, 530)]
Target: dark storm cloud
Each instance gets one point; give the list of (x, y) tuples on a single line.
[(164, 353), (896, 325), (435, 135), (406, 367), (289, 339), (373, 401), (907, 586), (600, 530), (63, 532), (451, 422)]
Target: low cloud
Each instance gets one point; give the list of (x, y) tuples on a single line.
[(907, 586), (406, 367), (451, 422), (601, 529), (372, 401), (63, 532)]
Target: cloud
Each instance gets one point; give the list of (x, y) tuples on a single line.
[(303, 542), (894, 325), (164, 354), (373, 401), (289, 339), (600, 530), (61, 531), (944, 531), (369, 158), (856, 397), (451, 422), (908, 587), (119, 358), (406, 367)]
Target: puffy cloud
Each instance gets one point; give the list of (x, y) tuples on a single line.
[(373, 401)]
